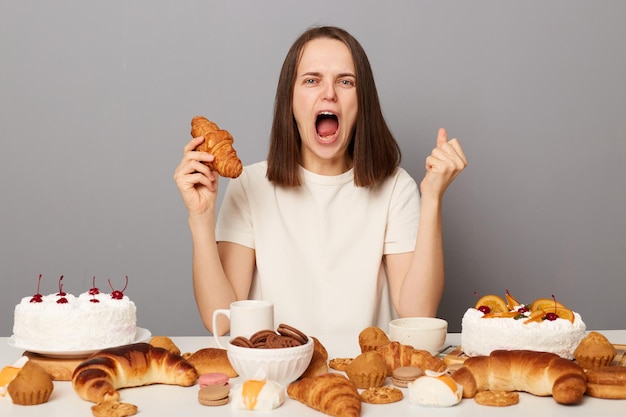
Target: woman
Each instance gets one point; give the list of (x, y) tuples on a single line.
[(329, 228)]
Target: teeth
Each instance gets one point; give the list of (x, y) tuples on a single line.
[(326, 113)]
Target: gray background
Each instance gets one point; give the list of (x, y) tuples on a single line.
[(96, 100)]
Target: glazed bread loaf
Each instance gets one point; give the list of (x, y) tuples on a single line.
[(538, 373), (218, 143), (100, 376)]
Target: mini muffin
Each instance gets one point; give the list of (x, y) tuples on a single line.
[(31, 386), (594, 350), (372, 337), (367, 370)]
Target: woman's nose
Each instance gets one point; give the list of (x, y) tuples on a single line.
[(329, 93)]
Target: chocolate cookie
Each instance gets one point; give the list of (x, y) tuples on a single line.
[(260, 338), (289, 331), (242, 342)]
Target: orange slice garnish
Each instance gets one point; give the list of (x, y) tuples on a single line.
[(495, 303), (536, 315), (547, 304), (503, 314), (563, 313)]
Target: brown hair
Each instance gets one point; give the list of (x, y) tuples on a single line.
[(373, 149)]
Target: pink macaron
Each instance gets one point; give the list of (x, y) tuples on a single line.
[(213, 378)]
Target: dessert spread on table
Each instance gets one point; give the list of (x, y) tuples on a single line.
[(383, 372)]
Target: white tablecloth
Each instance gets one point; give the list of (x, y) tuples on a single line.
[(166, 400)]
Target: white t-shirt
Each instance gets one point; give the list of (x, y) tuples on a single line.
[(319, 248)]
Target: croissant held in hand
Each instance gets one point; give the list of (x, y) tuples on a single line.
[(218, 143), (99, 377), (538, 373), (330, 393)]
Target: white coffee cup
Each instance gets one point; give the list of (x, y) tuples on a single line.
[(424, 333), (246, 317)]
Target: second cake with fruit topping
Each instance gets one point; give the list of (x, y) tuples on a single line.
[(544, 325)]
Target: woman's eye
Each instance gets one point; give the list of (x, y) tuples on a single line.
[(346, 83)]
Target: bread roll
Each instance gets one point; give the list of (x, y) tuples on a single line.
[(212, 360), (607, 382)]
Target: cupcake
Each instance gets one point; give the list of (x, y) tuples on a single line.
[(594, 350), (31, 386), (367, 370), (372, 337)]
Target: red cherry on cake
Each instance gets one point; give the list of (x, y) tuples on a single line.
[(61, 294), (93, 290), (484, 309), (116, 294), (523, 309), (37, 298), (551, 316)]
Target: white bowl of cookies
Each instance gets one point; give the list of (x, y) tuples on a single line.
[(282, 355)]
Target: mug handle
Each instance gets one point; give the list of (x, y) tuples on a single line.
[(216, 313)]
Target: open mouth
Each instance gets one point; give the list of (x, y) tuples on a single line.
[(326, 124)]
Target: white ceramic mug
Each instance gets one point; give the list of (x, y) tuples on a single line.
[(246, 317), (425, 333)]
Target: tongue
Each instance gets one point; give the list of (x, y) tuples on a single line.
[(327, 127)]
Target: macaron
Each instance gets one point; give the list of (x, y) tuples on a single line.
[(214, 395), (213, 378), (403, 375)]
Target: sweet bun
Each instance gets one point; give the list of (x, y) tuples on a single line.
[(607, 382), (594, 350), (372, 337), (209, 360), (31, 386)]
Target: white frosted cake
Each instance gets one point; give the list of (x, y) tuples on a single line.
[(65, 323), (481, 333)]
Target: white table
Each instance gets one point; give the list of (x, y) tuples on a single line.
[(166, 400)]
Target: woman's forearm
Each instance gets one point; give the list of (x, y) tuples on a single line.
[(212, 289), (423, 284)]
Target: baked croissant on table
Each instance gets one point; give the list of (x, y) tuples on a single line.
[(99, 377), (218, 143), (538, 373), (330, 393), (396, 355)]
